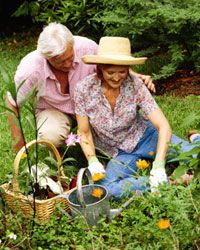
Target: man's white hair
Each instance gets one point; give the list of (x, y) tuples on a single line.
[(54, 39)]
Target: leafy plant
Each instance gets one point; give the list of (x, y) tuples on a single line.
[(189, 161), (77, 15), (167, 32), (138, 226), (157, 29), (35, 176), (29, 103)]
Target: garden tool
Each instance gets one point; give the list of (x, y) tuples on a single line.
[(91, 201)]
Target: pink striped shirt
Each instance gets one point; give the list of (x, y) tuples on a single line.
[(34, 69)]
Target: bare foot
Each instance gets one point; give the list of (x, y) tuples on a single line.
[(184, 179)]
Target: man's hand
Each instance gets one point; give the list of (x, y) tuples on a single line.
[(148, 82), (146, 79), (157, 175), (96, 169)]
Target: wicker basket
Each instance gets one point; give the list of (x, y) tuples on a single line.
[(19, 202)]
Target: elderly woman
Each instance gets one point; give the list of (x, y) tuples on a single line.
[(116, 113)]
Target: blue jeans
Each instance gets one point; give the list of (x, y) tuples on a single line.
[(121, 172)]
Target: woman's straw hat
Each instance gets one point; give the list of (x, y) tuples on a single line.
[(113, 50)]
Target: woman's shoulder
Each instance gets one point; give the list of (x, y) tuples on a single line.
[(134, 79), (87, 83), (133, 82)]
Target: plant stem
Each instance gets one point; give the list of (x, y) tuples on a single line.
[(28, 159), (176, 243), (190, 194)]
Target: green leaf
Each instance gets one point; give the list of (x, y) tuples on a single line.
[(179, 171), (8, 109), (193, 163), (51, 160), (197, 173), (5, 75), (31, 122), (20, 85), (70, 159), (9, 82)]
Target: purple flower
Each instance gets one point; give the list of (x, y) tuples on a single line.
[(72, 139)]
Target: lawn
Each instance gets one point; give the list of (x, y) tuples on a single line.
[(137, 227)]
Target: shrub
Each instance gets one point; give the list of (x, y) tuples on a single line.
[(166, 31), (76, 14), (158, 28)]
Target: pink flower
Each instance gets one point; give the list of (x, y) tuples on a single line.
[(72, 139), (78, 139)]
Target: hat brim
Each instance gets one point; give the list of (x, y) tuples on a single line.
[(111, 59)]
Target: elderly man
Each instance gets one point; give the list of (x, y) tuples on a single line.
[(55, 67)]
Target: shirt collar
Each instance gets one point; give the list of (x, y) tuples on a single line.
[(76, 59), (48, 71)]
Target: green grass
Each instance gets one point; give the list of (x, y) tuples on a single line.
[(11, 52), (136, 227), (177, 110)]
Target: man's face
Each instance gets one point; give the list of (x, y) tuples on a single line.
[(64, 61)]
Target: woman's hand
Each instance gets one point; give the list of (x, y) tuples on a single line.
[(157, 175), (96, 169)]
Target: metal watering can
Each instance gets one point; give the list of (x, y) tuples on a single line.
[(82, 201)]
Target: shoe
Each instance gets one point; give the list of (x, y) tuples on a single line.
[(190, 133)]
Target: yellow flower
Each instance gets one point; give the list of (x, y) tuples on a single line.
[(97, 192), (163, 224), (142, 164), (24, 155), (98, 176), (156, 193), (151, 153)]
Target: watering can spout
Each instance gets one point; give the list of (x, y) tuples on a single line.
[(117, 211), (65, 213), (114, 212)]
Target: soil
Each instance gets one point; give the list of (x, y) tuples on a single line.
[(182, 84)]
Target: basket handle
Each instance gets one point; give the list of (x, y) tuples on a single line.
[(79, 184), (17, 160)]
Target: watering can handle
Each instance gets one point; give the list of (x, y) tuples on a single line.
[(79, 184)]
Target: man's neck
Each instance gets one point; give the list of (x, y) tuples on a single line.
[(62, 78)]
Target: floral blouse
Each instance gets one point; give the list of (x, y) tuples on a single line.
[(123, 128)]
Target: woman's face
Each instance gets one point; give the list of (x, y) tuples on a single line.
[(114, 75)]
